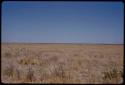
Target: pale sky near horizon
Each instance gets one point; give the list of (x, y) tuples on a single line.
[(63, 22)]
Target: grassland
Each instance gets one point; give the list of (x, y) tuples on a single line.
[(61, 63)]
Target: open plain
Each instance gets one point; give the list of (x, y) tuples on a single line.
[(61, 63)]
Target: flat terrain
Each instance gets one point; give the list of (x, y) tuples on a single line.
[(61, 63)]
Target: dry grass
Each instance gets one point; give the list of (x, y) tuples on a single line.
[(62, 63), (112, 74), (9, 71), (30, 75)]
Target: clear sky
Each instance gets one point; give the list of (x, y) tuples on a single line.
[(63, 22)]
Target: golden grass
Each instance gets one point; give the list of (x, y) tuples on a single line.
[(62, 63)]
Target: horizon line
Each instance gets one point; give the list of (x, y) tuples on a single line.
[(60, 43)]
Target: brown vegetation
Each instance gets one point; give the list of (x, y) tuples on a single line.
[(62, 63)]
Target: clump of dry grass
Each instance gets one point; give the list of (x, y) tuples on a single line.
[(112, 75), (18, 74), (9, 71), (27, 61), (60, 73), (44, 76), (30, 75), (8, 54), (12, 72)]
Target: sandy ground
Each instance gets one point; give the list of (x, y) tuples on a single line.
[(61, 63)]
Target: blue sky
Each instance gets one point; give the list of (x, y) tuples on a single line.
[(63, 22)]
